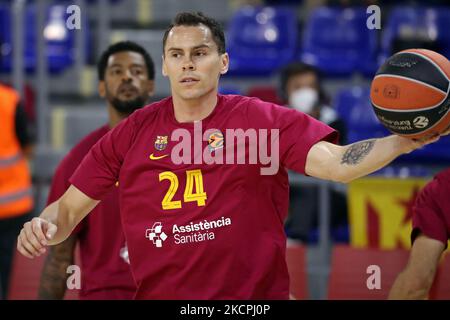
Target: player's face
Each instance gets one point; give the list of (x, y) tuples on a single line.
[(192, 62), (300, 81), (126, 85)]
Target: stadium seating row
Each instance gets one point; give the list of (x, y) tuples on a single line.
[(262, 39), (336, 40)]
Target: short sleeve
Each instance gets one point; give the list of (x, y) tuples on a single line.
[(100, 168), (60, 183), (428, 217), (298, 133)]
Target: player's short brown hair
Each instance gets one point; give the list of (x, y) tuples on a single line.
[(194, 19)]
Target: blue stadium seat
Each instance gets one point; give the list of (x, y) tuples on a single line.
[(338, 42), (443, 24), (60, 41), (6, 39), (402, 20), (5, 36), (261, 40), (427, 22), (354, 107)]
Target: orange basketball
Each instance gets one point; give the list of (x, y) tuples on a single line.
[(410, 93)]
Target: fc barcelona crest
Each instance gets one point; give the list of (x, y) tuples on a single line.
[(161, 142)]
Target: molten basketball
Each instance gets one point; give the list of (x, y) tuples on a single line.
[(410, 93)]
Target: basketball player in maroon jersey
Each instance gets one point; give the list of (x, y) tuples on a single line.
[(431, 231), (199, 226)]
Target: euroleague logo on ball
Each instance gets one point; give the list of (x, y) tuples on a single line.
[(420, 122)]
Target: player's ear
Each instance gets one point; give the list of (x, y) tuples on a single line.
[(164, 70), (101, 88), (225, 59)]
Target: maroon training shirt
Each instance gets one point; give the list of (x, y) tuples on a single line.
[(432, 209), (198, 231), (105, 274)]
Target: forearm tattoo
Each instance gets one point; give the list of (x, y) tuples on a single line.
[(53, 279), (357, 152)]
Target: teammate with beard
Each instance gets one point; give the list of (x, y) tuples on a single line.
[(126, 74)]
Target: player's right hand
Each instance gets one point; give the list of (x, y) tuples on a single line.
[(34, 236)]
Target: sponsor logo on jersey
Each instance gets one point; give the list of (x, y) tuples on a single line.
[(153, 157), (193, 232), (156, 235), (215, 141)]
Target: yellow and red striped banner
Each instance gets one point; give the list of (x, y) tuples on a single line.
[(380, 211)]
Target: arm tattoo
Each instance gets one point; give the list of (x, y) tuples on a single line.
[(357, 152), (54, 274)]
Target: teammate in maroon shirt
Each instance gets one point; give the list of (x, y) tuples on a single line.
[(431, 231), (203, 180), (126, 73)]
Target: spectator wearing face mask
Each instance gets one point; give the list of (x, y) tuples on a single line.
[(301, 89)]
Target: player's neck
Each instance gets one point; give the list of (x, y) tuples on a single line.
[(190, 110), (114, 116)]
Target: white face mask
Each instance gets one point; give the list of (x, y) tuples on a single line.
[(304, 99)]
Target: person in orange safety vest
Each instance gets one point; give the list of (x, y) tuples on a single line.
[(16, 198)]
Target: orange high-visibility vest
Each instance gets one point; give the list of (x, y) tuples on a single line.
[(15, 181)]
